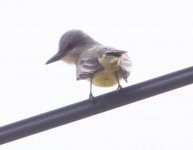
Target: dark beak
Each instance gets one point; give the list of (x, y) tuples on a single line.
[(56, 57)]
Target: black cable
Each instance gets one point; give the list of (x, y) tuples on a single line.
[(101, 103)]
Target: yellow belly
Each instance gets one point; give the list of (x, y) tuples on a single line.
[(106, 78)]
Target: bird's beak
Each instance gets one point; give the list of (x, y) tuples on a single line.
[(56, 57)]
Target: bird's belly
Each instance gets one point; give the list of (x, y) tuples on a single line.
[(106, 78)]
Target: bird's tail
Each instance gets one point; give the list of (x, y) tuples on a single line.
[(116, 53)]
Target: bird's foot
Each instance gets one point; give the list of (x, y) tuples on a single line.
[(91, 97), (119, 88)]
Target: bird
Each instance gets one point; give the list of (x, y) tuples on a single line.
[(103, 66)]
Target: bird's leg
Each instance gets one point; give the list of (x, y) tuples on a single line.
[(119, 85), (91, 97)]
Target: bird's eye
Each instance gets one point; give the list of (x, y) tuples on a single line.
[(70, 46)]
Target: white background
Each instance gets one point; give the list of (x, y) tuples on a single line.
[(158, 35)]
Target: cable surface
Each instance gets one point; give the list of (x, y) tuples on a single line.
[(101, 104)]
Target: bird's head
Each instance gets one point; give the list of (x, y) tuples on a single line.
[(71, 43)]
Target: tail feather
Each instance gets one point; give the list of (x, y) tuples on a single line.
[(114, 52)]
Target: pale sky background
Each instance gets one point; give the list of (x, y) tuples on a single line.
[(158, 35)]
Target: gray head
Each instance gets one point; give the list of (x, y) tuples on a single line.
[(71, 40)]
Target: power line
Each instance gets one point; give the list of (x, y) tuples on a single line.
[(101, 104)]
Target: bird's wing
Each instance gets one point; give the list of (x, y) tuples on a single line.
[(126, 65), (88, 64), (125, 62), (86, 67)]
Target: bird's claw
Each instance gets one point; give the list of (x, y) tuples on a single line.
[(119, 88), (91, 97)]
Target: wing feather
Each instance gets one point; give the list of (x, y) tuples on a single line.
[(126, 65), (87, 67)]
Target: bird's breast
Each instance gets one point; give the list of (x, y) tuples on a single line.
[(106, 78)]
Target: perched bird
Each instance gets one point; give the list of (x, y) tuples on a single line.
[(103, 66)]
